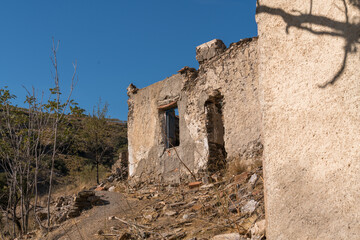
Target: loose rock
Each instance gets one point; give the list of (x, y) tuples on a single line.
[(170, 213), (253, 179), (258, 230), (228, 236), (249, 207)]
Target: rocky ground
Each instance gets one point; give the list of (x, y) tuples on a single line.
[(221, 208), (197, 210)]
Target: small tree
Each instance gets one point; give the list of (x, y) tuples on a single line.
[(96, 136), (57, 109), (23, 133)]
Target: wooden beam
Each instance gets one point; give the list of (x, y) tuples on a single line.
[(168, 106)]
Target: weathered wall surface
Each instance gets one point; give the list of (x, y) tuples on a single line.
[(310, 96), (145, 132), (231, 73), (234, 74)]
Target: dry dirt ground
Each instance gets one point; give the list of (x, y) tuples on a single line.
[(157, 211)]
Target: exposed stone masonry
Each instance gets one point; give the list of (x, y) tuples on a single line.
[(227, 72)]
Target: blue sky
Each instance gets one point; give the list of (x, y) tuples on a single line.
[(115, 43)]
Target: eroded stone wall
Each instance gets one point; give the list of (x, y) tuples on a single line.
[(234, 75), (230, 73), (310, 96), (147, 152)]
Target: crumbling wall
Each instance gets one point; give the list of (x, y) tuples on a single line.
[(234, 75), (310, 97), (230, 73), (147, 153)]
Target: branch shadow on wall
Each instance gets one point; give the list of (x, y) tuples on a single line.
[(305, 21)]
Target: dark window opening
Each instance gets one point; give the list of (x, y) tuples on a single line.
[(215, 133), (172, 133)]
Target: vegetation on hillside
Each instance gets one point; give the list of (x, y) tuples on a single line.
[(86, 143), (49, 143)]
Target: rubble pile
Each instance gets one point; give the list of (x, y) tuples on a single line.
[(233, 206), (66, 207)]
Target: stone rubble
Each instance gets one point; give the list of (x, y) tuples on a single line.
[(67, 207), (249, 207), (233, 206), (222, 207)]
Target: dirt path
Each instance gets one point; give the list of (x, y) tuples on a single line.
[(86, 226)]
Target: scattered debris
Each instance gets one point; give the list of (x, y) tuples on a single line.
[(194, 184), (230, 208)]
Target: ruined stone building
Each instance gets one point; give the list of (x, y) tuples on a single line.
[(295, 91), (204, 117)]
